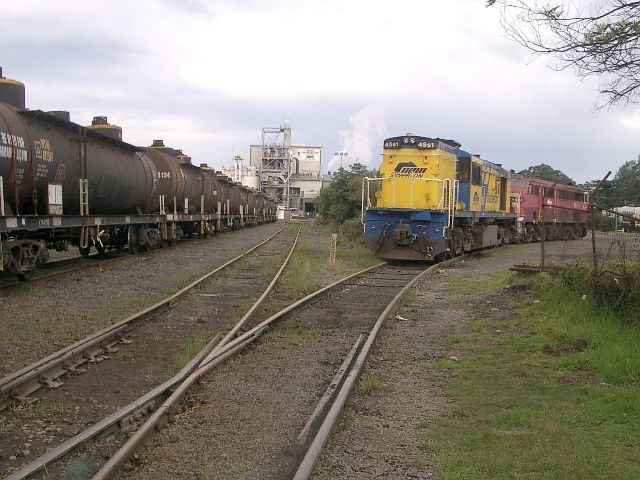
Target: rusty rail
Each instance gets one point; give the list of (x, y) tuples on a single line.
[(15, 386), (215, 358), (306, 466)]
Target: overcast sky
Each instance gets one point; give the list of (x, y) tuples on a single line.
[(206, 76)]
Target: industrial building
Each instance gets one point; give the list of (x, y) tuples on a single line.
[(289, 173)]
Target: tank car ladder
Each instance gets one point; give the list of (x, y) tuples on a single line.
[(84, 211)]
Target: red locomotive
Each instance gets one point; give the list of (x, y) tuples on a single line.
[(564, 209)]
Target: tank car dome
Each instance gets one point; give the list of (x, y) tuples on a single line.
[(177, 154), (12, 92), (102, 125)]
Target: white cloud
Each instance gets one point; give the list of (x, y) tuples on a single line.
[(361, 140), (210, 74)]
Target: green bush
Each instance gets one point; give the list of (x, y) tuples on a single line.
[(604, 224), (352, 229), (615, 288)]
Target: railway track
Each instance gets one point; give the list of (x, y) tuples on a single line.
[(160, 405), (58, 268), (176, 320)]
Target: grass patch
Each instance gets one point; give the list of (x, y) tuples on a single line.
[(309, 268), (293, 335), (368, 384), (486, 283), (554, 395), (239, 467)]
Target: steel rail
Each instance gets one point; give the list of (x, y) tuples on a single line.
[(116, 420), (215, 358), (23, 382), (145, 403), (306, 466), (247, 316), (328, 394), (80, 268)]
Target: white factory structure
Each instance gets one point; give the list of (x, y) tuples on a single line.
[(247, 175), (289, 173)]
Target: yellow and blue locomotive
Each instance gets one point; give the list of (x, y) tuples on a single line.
[(434, 200)]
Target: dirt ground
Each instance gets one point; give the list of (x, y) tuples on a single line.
[(242, 421), (41, 319), (382, 434)]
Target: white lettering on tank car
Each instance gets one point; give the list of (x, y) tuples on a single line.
[(164, 174), (12, 223), (12, 146), (43, 150)]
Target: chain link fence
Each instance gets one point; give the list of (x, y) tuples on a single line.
[(602, 243)]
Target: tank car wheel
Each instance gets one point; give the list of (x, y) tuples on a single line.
[(25, 276), (84, 251), (100, 248), (133, 240)]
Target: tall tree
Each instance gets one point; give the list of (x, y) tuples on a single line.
[(342, 199), (627, 183), (546, 172), (600, 39)]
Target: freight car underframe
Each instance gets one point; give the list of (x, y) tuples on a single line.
[(25, 240)]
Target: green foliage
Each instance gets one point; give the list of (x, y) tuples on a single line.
[(352, 229), (342, 199), (616, 288), (604, 224), (549, 393), (546, 172), (624, 189), (368, 384)]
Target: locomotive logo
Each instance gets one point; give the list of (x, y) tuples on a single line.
[(408, 170)]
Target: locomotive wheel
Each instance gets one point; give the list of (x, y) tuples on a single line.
[(528, 234), (468, 243), (457, 242), (506, 236), (25, 275), (84, 251)]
